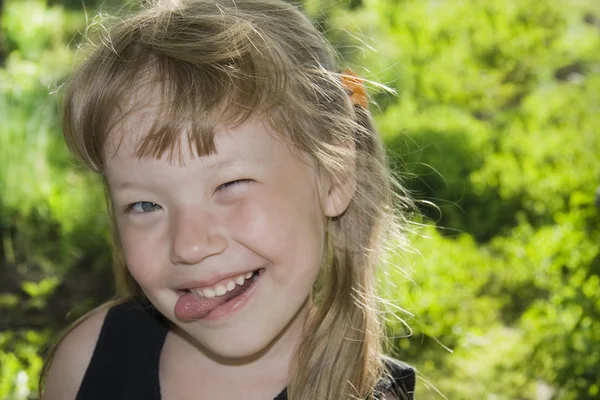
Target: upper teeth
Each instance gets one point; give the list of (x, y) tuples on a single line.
[(223, 287)]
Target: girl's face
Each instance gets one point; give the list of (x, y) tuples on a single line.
[(226, 246)]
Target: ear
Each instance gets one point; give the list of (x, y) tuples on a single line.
[(341, 189)]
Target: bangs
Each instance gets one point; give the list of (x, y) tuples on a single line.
[(195, 88), (191, 104)]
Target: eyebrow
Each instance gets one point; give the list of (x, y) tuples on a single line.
[(222, 164), (210, 167), (123, 185)]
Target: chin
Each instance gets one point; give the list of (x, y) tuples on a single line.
[(235, 347)]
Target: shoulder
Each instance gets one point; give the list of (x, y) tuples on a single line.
[(72, 355), (399, 381)]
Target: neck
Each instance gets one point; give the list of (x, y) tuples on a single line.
[(259, 375)]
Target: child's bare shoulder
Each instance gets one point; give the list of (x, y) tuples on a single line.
[(73, 355)]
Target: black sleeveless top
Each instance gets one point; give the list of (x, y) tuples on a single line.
[(125, 362)]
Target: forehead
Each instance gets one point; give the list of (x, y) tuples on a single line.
[(151, 123), (134, 120), (142, 123), (250, 149), (148, 124)]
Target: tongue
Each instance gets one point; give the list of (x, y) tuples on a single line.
[(190, 306)]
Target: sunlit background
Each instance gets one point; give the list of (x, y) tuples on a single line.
[(494, 127)]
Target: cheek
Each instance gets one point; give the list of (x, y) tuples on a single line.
[(250, 224), (140, 252), (279, 227)]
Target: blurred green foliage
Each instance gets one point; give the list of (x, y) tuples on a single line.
[(495, 123), (51, 212)]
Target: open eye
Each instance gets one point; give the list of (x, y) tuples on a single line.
[(142, 207)]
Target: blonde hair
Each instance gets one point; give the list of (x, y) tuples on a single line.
[(218, 63)]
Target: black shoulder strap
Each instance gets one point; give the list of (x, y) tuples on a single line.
[(126, 358), (400, 379)]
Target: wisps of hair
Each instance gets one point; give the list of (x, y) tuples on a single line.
[(219, 63)]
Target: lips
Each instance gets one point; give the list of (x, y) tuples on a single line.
[(193, 304)]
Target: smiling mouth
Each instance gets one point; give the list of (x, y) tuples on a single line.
[(225, 287), (218, 300)]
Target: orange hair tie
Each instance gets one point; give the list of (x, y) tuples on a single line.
[(354, 85)]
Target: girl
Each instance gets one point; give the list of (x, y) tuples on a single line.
[(251, 199)]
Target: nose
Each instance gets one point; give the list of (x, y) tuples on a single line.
[(196, 235)]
